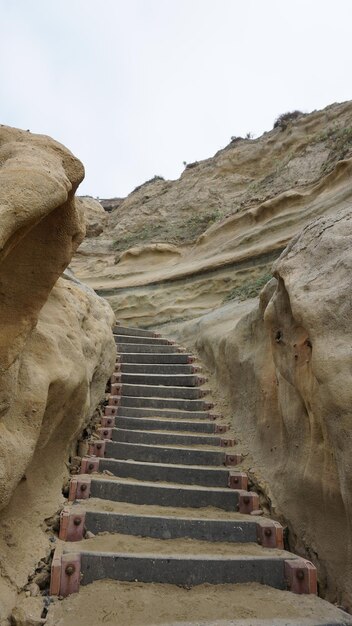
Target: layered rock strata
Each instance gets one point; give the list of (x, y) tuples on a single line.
[(177, 249)]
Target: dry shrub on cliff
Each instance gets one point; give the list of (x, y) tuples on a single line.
[(285, 118), (147, 182)]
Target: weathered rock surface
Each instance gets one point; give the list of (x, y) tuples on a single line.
[(94, 214), (227, 219), (285, 367), (56, 345)]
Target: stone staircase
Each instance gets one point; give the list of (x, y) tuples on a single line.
[(162, 497)]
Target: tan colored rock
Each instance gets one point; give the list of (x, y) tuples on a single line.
[(94, 214), (311, 312), (34, 589), (285, 368), (38, 179), (28, 612), (56, 345)]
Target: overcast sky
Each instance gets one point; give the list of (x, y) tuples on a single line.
[(136, 87)]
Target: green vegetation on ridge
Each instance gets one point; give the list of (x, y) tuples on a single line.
[(248, 290), (168, 232)]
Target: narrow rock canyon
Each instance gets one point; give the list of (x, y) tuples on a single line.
[(229, 286)]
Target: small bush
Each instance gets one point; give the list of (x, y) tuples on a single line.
[(248, 290), (195, 225), (147, 182), (285, 118)]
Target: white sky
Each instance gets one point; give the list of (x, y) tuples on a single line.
[(136, 87)]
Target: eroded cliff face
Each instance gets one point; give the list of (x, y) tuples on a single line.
[(56, 345), (176, 249), (284, 365), (309, 319)]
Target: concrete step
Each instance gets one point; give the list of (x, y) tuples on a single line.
[(159, 403), (148, 348), (164, 439), (166, 527), (163, 454), (146, 412), (181, 569), (138, 423), (138, 340), (175, 380), (156, 359), (166, 472), (152, 369), (152, 391), (121, 557), (176, 495), (163, 458), (130, 332)]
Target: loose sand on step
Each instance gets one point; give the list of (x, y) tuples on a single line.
[(140, 604)]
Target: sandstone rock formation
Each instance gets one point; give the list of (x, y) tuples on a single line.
[(228, 218), (56, 345), (284, 365), (198, 248), (95, 216)]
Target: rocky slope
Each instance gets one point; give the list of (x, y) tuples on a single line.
[(56, 346), (176, 249), (198, 249)]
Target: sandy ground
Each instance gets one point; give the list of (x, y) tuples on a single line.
[(140, 604), (159, 483), (118, 543), (109, 506)]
